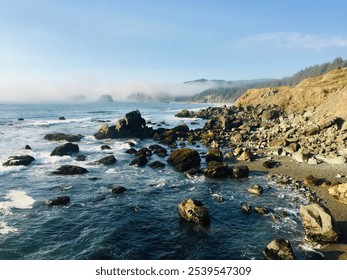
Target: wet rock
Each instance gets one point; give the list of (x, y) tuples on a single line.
[(339, 192), (270, 164), (20, 119), (139, 161), (62, 118), (194, 172), (218, 197), (255, 189), (81, 158), (143, 152), (319, 225), (184, 159), (279, 249), (217, 169), (240, 171), (27, 147), (246, 208), (70, 170), (156, 165), (108, 160), (105, 147), (61, 200), (261, 210), (131, 151), (118, 190), (158, 150), (19, 160), (214, 155), (66, 149), (63, 137), (194, 211)]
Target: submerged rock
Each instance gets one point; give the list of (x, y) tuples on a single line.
[(246, 208), (194, 211), (70, 170), (279, 249), (118, 190), (156, 165), (184, 159), (61, 200), (319, 225), (19, 160), (66, 149)]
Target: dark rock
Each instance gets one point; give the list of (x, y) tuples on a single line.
[(194, 172), (20, 119), (184, 159), (139, 161), (311, 181), (143, 152), (279, 249), (19, 160), (118, 190), (63, 137), (214, 155), (61, 200), (270, 164), (217, 169), (261, 210), (70, 170), (105, 147), (157, 164), (131, 144), (240, 171), (246, 208), (185, 114), (158, 150), (108, 160), (27, 147), (62, 118), (66, 149), (81, 158), (131, 151), (194, 211)]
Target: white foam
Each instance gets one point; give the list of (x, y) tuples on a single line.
[(5, 229), (308, 248), (16, 199)]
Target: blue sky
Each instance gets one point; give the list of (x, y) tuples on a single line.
[(103, 45)]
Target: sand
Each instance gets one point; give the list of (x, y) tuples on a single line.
[(300, 171)]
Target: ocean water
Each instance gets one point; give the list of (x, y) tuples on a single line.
[(142, 223)]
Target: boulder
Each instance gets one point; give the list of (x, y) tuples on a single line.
[(105, 147), (108, 160), (339, 192), (70, 170), (312, 130), (61, 200), (139, 161), (66, 149), (270, 115), (27, 147), (118, 190), (143, 152), (241, 171), (62, 118), (185, 114), (63, 137), (158, 150), (277, 143), (156, 165), (131, 151), (261, 210), (194, 211), (246, 156), (319, 225), (270, 163), (279, 249), (217, 169), (246, 208), (311, 181), (19, 160), (184, 159), (214, 155), (255, 189)]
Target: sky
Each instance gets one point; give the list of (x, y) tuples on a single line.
[(60, 48)]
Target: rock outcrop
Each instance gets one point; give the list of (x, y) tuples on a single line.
[(319, 225), (108, 160), (61, 200), (217, 169), (63, 137), (339, 192), (66, 149), (70, 170), (184, 159), (194, 211), (279, 249), (19, 160)]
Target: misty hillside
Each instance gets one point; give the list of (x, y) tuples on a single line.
[(230, 91)]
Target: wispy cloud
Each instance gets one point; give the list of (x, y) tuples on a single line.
[(288, 41)]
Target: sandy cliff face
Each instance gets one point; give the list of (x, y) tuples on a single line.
[(325, 96)]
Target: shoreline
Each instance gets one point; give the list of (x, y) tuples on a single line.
[(299, 171)]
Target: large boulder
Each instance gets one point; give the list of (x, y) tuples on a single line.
[(217, 169), (214, 155), (184, 159), (60, 200), (240, 171), (140, 160), (108, 160), (194, 211), (185, 114), (66, 149), (70, 170), (339, 192), (63, 137), (133, 125), (319, 225), (19, 160), (279, 249)]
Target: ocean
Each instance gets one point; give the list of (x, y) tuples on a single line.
[(143, 222)]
